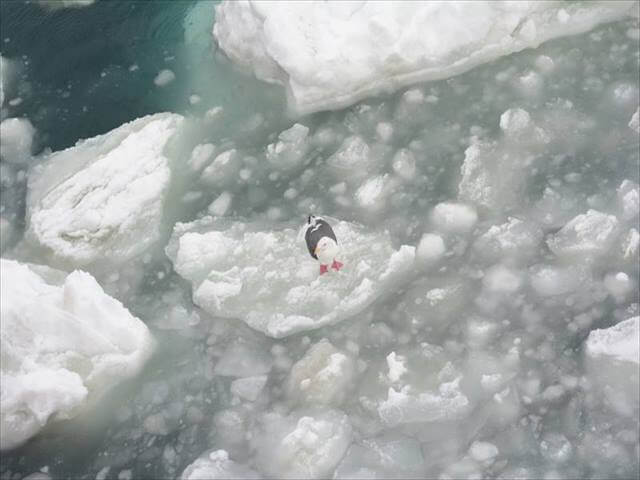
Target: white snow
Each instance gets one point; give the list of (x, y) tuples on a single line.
[(266, 277), (306, 444), (16, 137), (330, 55), (619, 342), (216, 464), (101, 201), (164, 78), (64, 343), (591, 233), (454, 217), (321, 377)]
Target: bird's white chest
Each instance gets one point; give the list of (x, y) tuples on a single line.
[(328, 252)]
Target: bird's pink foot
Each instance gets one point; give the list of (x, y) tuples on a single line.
[(336, 265), (324, 269)]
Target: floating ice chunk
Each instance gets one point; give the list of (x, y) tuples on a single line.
[(556, 447), (371, 193), (549, 281), (431, 248), (514, 121), (587, 234), (387, 456), (322, 376), (249, 388), (332, 55), (352, 159), (201, 155), (223, 169), (634, 123), (16, 137), (62, 346), (396, 365), (618, 285), (164, 78), (215, 465), (404, 164), (221, 205), (267, 278), (243, 360), (502, 279), (290, 149), (514, 239), (306, 444), (454, 217), (483, 452), (619, 342), (101, 201), (409, 406), (629, 200)]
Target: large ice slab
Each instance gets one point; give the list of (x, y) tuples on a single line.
[(64, 342), (331, 54), (102, 200), (266, 277), (619, 342)]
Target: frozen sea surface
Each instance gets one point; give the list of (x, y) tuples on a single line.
[(161, 316)]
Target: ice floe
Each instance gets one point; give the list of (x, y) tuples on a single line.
[(64, 343), (101, 201), (216, 464), (265, 276), (330, 55)]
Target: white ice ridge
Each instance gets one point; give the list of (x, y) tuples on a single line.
[(102, 200), (267, 278), (330, 55), (64, 343), (620, 342)]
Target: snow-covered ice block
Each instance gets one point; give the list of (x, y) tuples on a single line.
[(408, 405), (387, 456), (454, 217), (619, 342), (101, 201), (16, 137), (265, 276), (590, 234), (304, 444), (612, 361), (332, 54), (216, 464), (322, 376), (515, 239), (64, 343)]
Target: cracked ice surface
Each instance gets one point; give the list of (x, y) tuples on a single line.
[(101, 201), (227, 263), (64, 342), (330, 55)]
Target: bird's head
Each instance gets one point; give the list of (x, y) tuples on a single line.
[(311, 220)]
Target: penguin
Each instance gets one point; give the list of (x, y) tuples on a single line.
[(322, 243)]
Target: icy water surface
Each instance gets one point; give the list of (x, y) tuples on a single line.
[(490, 227)]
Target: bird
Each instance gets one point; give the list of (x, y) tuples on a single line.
[(322, 243)]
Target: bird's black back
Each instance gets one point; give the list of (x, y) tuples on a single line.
[(315, 232)]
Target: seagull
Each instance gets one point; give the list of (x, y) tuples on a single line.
[(322, 243)]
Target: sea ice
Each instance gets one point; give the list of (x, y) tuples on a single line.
[(321, 377), (290, 149), (265, 276), (101, 201), (16, 136), (216, 464), (304, 444), (64, 343), (330, 55), (619, 342), (454, 217), (589, 234)]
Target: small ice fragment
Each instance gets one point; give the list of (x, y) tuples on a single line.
[(483, 452), (502, 279), (397, 368), (431, 247), (515, 120), (634, 123), (249, 388), (404, 164), (454, 217), (194, 99), (16, 137), (164, 77), (221, 205)]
